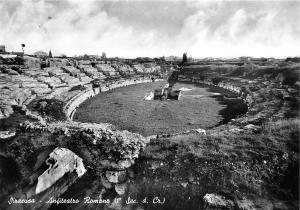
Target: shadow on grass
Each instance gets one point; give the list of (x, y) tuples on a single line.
[(235, 107)]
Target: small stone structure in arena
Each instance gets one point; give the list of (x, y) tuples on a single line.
[(164, 93)]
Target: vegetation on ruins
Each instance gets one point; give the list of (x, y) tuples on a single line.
[(293, 59), (50, 54), (103, 55), (40, 54), (184, 58)]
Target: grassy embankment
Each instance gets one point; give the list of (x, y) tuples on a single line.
[(263, 167)]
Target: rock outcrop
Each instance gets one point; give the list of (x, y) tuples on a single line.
[(100, 145), (60, 162), (212, 201)]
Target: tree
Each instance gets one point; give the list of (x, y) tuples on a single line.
[(19, 60), (103, 56), (50, 54), (40, 54), (23, 45), (294, 59), (184, 58), (85, 56)]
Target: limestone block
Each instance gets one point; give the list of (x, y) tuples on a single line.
[(149, 96), (201, 131), (213, 201), (6, 134), (60, 162)]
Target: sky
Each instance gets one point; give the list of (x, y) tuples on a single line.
[(152, 28)]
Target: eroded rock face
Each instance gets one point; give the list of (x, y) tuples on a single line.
[(101, 145), (121, 188), (149, 96), (246, 204), (116, 176), (60, 162), (213, 201), (6, 134)]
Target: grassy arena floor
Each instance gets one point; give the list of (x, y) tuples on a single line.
[(125, 108)]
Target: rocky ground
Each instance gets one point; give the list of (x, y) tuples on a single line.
[(251, 162)]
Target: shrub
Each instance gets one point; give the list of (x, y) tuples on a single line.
[(217, 80)]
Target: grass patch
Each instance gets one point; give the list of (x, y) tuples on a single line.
[(125, 108)]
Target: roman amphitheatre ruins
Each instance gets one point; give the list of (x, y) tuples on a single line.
[(80, 129)]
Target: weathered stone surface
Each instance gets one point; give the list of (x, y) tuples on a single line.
[(121, 188), (252, 128), (114, 206), (92, 72), (6, 134), (122, 164), (32, 62), (123, 69), (245, 204), (107, 70), (213, 201), (116, 176), (201, 131), (60, 162), (146, 68), (106, 183)]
